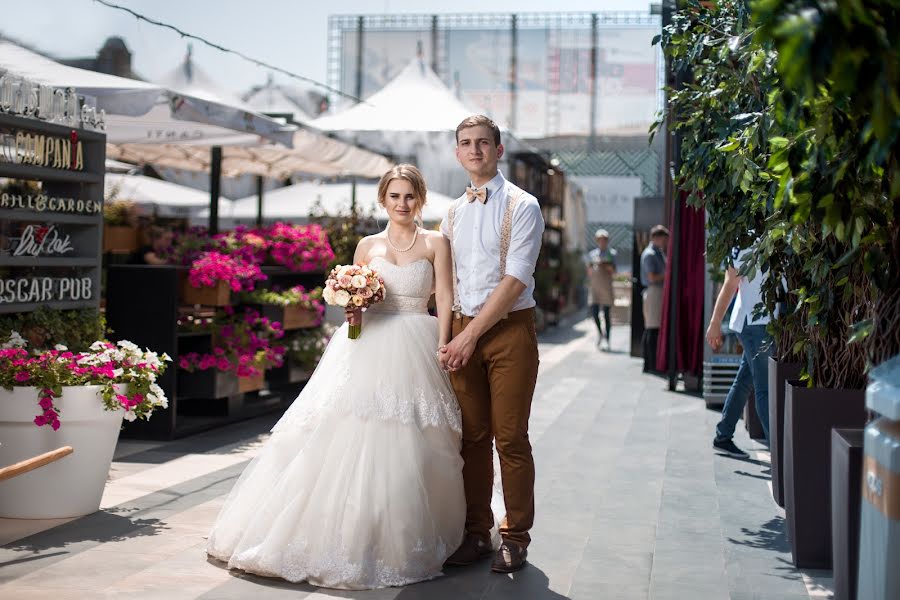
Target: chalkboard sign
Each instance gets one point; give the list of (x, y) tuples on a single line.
[(51, 214)]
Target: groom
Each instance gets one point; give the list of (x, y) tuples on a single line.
[(495, 232)]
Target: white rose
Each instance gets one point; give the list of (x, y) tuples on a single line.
[(342, 297), (343, 271), (358, 281), (358, 300), (328, 295)]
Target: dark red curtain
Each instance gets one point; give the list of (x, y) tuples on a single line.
[(690, 290)]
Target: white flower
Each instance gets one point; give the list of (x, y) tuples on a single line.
[(342, 297), (358, 281), (130, 346), (130, 416), (60, 347), (358, 300), (118, 372), (98, 346), (344, 270), (15, 341), (328, 295)]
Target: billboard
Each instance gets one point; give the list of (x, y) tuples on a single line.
[(553, 94)]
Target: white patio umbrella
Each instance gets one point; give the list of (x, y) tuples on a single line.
[(296, 202), (147, 112), (166, 199)]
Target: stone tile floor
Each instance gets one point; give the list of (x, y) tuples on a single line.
[(632, 503)]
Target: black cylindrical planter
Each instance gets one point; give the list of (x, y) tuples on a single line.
[(846, 503), (809, 416), (779, 372)]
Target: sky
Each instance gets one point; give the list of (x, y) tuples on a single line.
[(291, 34)]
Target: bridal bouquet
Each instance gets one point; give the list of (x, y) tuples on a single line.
[(353, 286)]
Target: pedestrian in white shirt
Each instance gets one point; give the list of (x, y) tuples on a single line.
[(495, 232), (752, 373)]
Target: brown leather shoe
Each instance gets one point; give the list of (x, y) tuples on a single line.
[(470, 551), (509, 558)]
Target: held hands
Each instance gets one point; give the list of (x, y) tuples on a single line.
[(714, 336), (455, 355)]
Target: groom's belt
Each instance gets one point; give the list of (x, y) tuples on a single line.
[(517, 316)]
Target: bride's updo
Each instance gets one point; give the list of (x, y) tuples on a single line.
[(408, 173)]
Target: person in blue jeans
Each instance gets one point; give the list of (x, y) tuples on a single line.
[(753, 371)]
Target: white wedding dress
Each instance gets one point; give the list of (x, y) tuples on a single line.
[(360, 485)]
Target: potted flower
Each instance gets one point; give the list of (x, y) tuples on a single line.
[(303, 249), (56, 398), (294, 308), (119, 234), (213, 276)]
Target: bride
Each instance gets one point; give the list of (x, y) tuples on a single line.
[(360, 484)]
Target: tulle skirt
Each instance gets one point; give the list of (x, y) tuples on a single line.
[(360, 484)]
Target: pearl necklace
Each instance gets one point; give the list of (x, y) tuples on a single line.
[(408, 248)]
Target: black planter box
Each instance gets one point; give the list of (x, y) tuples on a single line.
[(809, 416), (779, 373), (210, 383), (751, 420), (288, 373), (846, 504)]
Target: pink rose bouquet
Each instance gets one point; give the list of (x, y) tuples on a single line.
[(353, 286)]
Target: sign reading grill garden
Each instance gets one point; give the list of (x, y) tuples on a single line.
[(51, 198)]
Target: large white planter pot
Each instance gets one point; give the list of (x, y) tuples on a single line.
[(73, 485)]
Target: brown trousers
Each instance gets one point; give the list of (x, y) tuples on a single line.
[(495, 389)]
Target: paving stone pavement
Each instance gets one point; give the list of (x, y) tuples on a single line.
[(632, 503)]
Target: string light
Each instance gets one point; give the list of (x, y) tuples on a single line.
[(260, 63)]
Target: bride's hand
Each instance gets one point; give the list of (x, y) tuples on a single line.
[(353, 316)]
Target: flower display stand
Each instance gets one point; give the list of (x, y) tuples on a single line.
[(72, 486), (201, 400), (217, 295)]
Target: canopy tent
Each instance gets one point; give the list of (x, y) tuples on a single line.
[(146, 112), (296, 202), (414, 118), (165, 198), (294, 103), (415, 100)]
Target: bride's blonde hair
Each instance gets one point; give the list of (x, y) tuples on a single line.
[(408, 173)]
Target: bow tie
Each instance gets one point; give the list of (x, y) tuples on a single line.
[(472, 193)]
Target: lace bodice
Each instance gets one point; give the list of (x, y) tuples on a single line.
[(408, 286)]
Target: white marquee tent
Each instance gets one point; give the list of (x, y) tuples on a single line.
[(413, 118)]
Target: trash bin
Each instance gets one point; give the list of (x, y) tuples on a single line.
[(879, 548)]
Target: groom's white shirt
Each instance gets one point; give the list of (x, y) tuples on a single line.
[(476, 245)]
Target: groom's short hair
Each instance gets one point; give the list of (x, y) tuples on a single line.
[(476, 121)]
